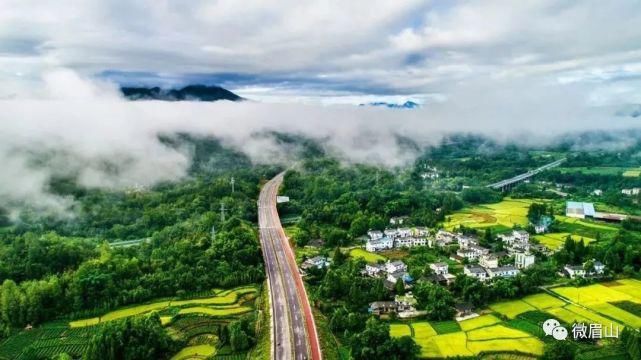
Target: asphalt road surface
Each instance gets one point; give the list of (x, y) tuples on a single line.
[(294, 333)]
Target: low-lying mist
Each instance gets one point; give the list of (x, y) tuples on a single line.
[(85, 129)]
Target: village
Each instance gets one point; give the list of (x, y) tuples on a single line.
[(473, 260)]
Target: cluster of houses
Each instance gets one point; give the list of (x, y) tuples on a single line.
[(396, 238), (391, 272), (487, 263)]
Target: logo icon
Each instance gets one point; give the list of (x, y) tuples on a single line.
[(553, 327)]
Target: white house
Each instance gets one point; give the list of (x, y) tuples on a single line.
[(398, 220), (394, 266), (318, 262), (420, 231), (403, 232), (375, 234), (521, 235), (466, 241), (475, 271), (468, 254), (599, 267), (489, 261), (574, 271), (445, 237), (597, 192), (374, 270), (540, 228), (395, 276), (503, 271), (523, 260), (440, 268), (392, 233), (379, 244)]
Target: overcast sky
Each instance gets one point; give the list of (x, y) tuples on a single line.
[(328, 51)]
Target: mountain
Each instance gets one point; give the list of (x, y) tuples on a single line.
[(632, 110), (406, 105), (188, 93)]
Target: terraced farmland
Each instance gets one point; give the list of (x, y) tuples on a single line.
[(485, 333), (195, 321), (514, 327)]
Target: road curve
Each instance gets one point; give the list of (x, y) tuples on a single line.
[(294, 334)]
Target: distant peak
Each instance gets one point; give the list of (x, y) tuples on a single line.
[(406, 105), (188, 93)]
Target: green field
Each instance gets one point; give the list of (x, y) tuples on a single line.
[(369, 257), (195, 352), (554, 241), (598, 170), (194, 321)]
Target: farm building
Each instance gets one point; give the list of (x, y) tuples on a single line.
[(579, 210)]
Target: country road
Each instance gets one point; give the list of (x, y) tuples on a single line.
[(294, 334)]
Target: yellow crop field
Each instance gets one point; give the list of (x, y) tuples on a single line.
[(496, 332), (369, 257), (195, 352), (543, 301), (632, 173), (512, 308), (224, 299), (398, 330), (554, 241), (619, 314), (528, 345), (451, 345), (507, 213), (477, 322), (592, 294), (215, 312)]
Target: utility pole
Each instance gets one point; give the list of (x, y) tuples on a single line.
[(213, 234), (232, 184), (222, 212)]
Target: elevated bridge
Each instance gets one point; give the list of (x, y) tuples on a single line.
[(508, 183)]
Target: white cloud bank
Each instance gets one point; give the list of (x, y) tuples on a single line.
[(82, 127)]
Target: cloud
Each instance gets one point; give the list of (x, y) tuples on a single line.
[(355, 48), (83, 128)]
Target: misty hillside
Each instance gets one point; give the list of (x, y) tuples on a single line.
[(187, 93)]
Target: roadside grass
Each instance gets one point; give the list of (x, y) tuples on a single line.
[(369, 257)]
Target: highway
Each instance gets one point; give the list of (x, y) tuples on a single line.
[(507, 182), (294, 334)]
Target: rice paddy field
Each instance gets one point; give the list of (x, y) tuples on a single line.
[(195, 321), (514, 327), (369, 257), (500, 216), (483, 334), (554, 241)]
